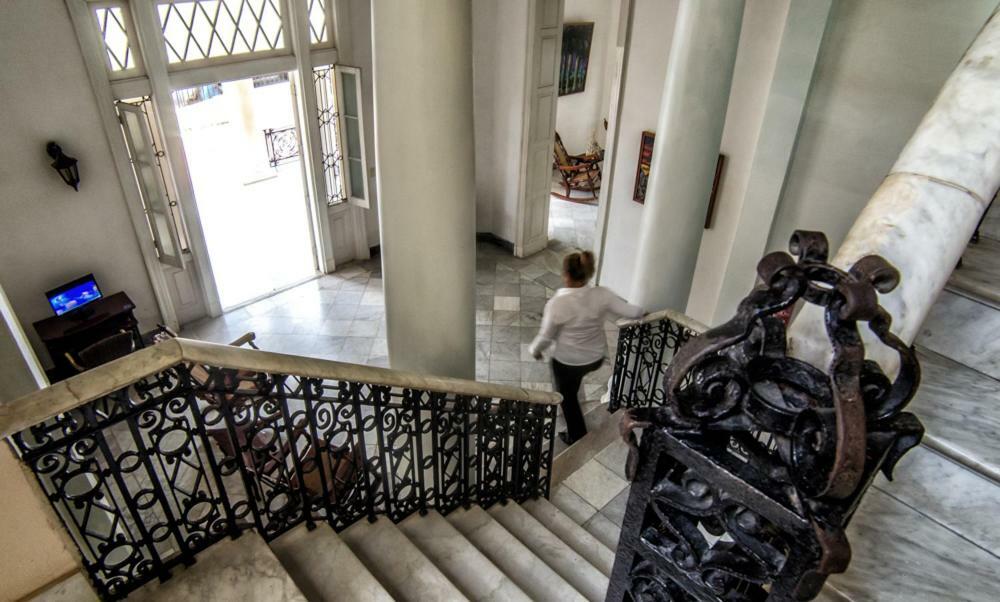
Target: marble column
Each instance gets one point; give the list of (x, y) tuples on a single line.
[(688, 135), (926, 209), (422, 59)]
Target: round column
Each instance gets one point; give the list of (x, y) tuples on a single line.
[(688, 135), (922, 216), (422, 56)]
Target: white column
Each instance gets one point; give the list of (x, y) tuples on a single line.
[(688, 134), (425, 155), (922, 216)]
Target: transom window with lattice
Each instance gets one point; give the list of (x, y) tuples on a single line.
[(114, 25), (196, 30)]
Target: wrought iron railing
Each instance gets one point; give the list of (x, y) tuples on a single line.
[(282, 145), (752, 462), (645, 348), (152, 458)]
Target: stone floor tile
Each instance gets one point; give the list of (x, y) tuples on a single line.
[(506, 318), (506, 371), (507, 303), (572, 504), (595, 483), (505, 351), (615, 509)]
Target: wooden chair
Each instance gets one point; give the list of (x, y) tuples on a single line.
[(107, 349), (341, 465), (578, 172)]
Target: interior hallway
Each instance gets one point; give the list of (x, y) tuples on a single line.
[(341, 316)]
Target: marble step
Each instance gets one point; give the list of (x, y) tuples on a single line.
[(960, 410), (574, 568), (74, 588), (459, 560), (964, 330), (902, 555), (404, 571), (527, 570), (325, 568), (233, 570), (574, 535)]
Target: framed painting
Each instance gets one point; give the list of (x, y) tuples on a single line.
[(642, 172), (575, 57)]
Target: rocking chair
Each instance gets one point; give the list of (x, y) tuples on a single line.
[(578, 172)]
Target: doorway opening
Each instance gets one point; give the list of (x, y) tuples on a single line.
[(241, 140)]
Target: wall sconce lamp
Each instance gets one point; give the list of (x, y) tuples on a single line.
[(65, 165)]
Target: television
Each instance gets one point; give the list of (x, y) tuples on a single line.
[(74, 295)]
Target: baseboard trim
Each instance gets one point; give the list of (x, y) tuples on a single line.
[(374, 251), (493, 238)]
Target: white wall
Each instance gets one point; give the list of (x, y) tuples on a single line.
[(760, 38), (50, 233), (580, 116), (499, 44), (360, 55), (646, 67), (880, 67)]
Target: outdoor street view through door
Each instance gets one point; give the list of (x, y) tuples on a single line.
[(242, 146)]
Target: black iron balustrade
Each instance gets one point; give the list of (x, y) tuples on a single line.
[(751, 461), (282, 145), (645, 348), (145, 477)]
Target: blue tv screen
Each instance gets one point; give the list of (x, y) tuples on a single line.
[(74, 295)]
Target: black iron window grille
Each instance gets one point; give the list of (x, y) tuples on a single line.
[(751, 461), (329, 133), (282, 145), (147, 476)]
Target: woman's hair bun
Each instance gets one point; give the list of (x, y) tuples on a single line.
[(579, 266)]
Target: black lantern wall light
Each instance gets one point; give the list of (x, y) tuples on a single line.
[(64, 164)]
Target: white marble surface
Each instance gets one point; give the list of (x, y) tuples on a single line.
[(459, 560), (574, 535), (901, 555), (921, 217), (596, 484), (325, 568), (964, 330), (961, 408), (530, 573), (233, 570), (397, 563), (74, 588), (572, 504), (573, 567), (950, 494)]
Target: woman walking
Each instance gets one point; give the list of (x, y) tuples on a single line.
[(573, 321)]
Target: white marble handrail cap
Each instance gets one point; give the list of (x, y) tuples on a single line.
[(667, 314), (73, 392)]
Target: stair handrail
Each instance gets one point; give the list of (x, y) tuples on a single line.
[(63, 396), (665, 314)]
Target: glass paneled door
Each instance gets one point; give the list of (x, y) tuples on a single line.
[(243, 149)]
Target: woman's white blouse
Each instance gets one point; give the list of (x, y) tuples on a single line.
[(573, 321)]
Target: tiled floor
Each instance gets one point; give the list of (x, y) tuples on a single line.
[(572, 224), (341, 316)]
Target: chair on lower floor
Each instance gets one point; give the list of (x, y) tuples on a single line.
[(578, 172)]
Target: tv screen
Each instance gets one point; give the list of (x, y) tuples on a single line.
[(74, 295)]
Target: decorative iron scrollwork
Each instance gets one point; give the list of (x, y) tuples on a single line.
[(750, 468), (146, 477)]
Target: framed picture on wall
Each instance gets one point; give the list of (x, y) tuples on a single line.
[(575, 57), (642, 172)]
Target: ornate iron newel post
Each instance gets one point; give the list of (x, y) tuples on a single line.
[(749, 473)]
